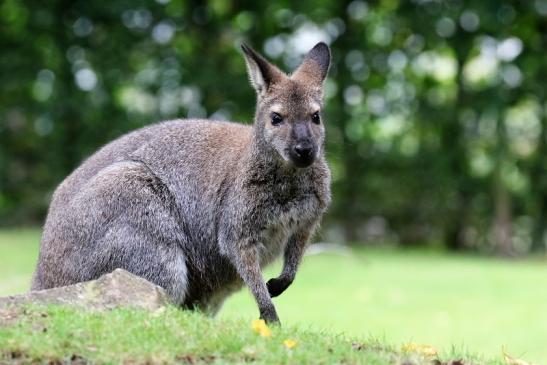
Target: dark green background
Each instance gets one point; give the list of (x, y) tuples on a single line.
[(436, 110)]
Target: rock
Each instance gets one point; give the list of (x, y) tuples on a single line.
[(120, 288)]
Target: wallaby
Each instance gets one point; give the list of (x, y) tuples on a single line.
[(198, 207)]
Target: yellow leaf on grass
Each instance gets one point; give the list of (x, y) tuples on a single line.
[(512, 360), (260, 327), (290, 343), (424, 350)]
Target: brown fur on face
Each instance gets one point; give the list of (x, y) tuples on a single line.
[(295, 99), (297, 108)]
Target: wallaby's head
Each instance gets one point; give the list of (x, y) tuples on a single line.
[(288, 116)]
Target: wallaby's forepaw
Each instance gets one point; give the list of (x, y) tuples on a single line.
[(276, 286)]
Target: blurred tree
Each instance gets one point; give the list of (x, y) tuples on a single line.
[(436, 110)]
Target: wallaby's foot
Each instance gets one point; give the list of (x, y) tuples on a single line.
[(272, 320), (269, 315), (276, 286)]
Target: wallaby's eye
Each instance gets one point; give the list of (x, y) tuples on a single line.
[(315, 118), (276, 119)]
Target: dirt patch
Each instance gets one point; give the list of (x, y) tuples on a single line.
[(191, 359), (17, 357), (9, 316), (452, 362), (12, 315)]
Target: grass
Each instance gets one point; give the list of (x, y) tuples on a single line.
[(56, 335), (471, 304), (18, 255)]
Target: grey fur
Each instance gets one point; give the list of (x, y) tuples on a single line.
[(198, 207)]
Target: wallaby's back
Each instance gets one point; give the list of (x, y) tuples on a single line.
[(184, 161), (181, 138)]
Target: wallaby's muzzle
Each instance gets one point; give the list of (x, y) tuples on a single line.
[(303, 150)]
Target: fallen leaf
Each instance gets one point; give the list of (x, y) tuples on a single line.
[(424, 350), (290, 343), (249, 353), (158, 312), (260, 327)]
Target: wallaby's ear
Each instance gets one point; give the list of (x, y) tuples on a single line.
[(315, 66), (261, 73)]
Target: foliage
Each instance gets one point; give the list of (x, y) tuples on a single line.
[(435, 108)]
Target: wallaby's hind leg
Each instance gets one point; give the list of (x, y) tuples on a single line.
[(214, 303), (161, 263), (128, 223)]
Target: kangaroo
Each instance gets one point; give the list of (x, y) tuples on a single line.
[(199, 207)]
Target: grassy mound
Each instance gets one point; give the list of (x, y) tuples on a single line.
[(63, 335)]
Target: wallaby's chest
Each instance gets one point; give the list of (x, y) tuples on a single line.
[(284, 213), (275, 233)]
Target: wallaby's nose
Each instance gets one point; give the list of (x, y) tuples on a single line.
[(303, 150), (303, 154)]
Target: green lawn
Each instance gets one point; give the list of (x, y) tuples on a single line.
[(18, 254), (55, 335), (470, 303)]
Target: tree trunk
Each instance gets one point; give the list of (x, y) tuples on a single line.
[(502, 200), (502, 217), (454, 147)]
